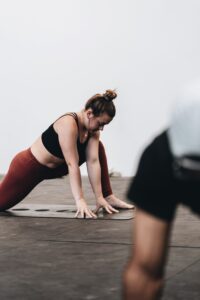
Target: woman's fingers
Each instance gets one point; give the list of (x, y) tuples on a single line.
[(76, 214), (123, 204), (85, 213), (114, 209), (110, 209), (88, 213), (118, 203), (96, 209), (91, 214)]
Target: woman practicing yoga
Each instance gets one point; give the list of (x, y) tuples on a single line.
[(69, 142)]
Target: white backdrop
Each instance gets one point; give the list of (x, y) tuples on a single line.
[(55, 54)]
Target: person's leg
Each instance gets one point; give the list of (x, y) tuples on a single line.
[(25, 172), (23, 175), (58, 172), (143, 277), (105, 181)]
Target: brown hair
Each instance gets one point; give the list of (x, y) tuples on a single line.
[(101, 103)]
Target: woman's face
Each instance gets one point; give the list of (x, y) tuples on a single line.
[(96, 123)]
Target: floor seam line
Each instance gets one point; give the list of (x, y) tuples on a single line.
[(181, 271), (127, 244)]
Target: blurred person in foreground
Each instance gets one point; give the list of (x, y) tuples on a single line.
[(168, 175)]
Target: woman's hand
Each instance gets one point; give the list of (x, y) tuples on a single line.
[(83, 210), (102, 203), (117, 203)]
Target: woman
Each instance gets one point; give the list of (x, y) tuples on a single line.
[(61, 149)]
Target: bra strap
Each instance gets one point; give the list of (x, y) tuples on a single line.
[(72, 114)]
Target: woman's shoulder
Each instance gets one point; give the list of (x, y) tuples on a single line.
[(68, 116), (65, 123)]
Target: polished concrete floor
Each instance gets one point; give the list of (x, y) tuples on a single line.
[(56, 258)]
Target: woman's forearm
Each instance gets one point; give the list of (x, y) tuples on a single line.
[(76, 186), (75, 182), (94, 174)]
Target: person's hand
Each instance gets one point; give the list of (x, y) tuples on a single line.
[(102, 203), (118, 203), (83, 210)]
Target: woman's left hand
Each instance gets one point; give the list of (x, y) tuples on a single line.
[(102, 203)]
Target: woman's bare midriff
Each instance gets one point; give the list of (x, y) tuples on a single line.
[(44, 156)]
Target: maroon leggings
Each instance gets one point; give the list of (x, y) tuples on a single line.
[(25, 172)]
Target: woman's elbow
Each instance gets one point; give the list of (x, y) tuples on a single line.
[(72, 164)]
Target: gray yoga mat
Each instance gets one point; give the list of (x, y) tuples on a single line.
[(61, 211)]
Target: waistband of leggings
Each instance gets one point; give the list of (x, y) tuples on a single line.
[(34, 159)]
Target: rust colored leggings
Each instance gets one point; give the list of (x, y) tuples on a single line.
[(25, 172)]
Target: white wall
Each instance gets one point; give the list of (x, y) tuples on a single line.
[(55, 54)]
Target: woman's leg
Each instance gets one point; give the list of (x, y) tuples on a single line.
[(105, 182), (23, 175)]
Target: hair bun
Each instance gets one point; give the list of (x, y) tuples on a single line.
[(109, 95)]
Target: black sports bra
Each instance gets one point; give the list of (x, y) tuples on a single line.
[(51, 142)]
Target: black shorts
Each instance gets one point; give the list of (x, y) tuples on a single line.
[(155, 189)]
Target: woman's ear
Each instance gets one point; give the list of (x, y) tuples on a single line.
[(90, 114)]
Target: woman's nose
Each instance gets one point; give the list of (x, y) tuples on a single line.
[(101, 127)]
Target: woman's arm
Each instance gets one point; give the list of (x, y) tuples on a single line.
[(67, 133), (94, 172)]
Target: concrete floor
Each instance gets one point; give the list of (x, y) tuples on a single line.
[(43, 258)]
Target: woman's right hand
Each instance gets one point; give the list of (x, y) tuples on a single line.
[(83, 210)]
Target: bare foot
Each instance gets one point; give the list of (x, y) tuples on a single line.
[(116, 202)]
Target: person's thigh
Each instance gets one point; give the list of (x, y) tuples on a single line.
[(23, 175), (150, 241), (143, 276), (53, 173)]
